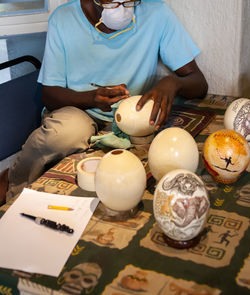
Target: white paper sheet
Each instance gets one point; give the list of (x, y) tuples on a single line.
[(31, 247)]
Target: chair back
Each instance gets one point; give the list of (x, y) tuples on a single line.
[(20, 112)]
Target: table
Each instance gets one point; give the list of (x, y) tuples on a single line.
[(130, 256)]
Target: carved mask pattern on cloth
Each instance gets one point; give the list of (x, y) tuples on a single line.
[(117, 18)]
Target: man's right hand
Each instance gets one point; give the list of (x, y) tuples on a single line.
[(55, 97), (109, 95)]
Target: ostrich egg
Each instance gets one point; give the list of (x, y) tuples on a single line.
[(172, 148), (120, 180), (237, 117), (226, 155), (181, 204), (131, 121)]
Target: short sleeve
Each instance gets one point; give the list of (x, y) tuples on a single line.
[(53, 72), (176, 47)]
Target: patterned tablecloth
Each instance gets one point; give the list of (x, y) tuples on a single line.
[(130, 256)]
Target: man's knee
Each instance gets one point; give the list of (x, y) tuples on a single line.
[(70, 126), (66, 128)]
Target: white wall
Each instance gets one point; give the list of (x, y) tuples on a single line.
[(245, 50), (217, 27)]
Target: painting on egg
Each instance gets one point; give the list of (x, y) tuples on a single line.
[(226, 155), (180, 205), (237, 117)]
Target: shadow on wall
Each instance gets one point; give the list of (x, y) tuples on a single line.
[(245, 85), (28, 44)]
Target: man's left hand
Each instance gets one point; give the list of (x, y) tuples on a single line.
[(189, 82), (163, 101)]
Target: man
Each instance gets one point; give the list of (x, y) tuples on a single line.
[(114, 44)]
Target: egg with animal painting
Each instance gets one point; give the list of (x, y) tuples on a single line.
[(181, 204)]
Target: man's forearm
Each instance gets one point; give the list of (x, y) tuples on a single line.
[(55, 97), (191, 86)]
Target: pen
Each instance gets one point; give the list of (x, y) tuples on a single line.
[(100, 86), (59, 208), (49, 223)]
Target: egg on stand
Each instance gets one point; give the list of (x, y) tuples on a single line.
[(237, 118), (120, 182), (180, 208)]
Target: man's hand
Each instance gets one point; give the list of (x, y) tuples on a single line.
[(188, 82), (106, 96), (55, 97), (163, 101)]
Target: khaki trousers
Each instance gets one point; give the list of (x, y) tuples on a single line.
[(62, 132)]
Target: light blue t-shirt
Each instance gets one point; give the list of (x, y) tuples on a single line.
[(77, 54)]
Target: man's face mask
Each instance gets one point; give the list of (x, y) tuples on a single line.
[(118, 18), (117, 15)]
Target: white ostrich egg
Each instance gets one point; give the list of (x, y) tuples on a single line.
[(172, 148), (131, 121), (120, 180)]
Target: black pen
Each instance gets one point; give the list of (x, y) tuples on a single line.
[(99, 86), (49, 223)]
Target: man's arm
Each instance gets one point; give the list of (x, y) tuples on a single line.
[(192, 81), (55, 97), (189, 82)]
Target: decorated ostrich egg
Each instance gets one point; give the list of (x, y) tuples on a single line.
[(120, 180), (173, 148), (181, 204), (226, 155), (237, 117), (131, 121)]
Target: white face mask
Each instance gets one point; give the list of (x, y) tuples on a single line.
[(117, 18)]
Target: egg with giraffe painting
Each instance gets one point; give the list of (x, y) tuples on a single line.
[(226, 155)]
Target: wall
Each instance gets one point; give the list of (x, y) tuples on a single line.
[(245, 51), (219, 28)]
